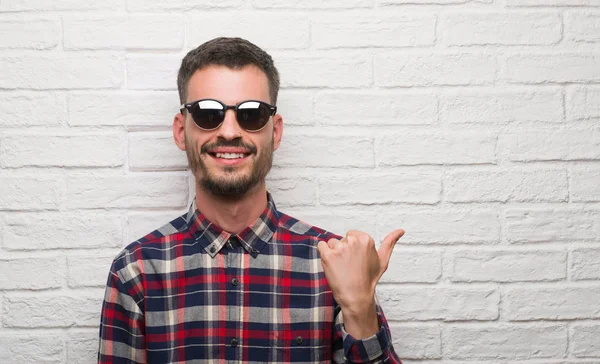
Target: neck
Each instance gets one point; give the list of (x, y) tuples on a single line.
[(232, 214)]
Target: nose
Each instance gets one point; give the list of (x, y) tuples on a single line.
[(230, 129)]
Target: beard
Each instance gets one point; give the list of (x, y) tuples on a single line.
[(231, 183)]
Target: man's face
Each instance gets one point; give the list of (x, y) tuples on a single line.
[(210, 153)]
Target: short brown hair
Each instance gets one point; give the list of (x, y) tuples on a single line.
[(234, 53)]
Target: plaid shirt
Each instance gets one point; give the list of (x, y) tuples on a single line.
[(190, 292)]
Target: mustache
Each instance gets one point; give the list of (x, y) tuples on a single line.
[(237, 143)]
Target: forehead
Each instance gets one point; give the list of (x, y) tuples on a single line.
[(229, 85)]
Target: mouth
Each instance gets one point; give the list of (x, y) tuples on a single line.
[(229, 158)]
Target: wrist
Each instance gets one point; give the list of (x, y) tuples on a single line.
[(361, 321)]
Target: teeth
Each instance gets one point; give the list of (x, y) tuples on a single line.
[(230, 155)]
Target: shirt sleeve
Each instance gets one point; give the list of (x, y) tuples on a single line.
[(374, 349), (122, 324)]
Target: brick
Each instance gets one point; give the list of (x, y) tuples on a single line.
[(504, 341), (338, 220), (123, 32), (552, 68), (442, 226), (34, 5), (82, 346), (564, 302), (583, 103), (374, 188), (32, 273), (585, 264), (63, 150), (373, 31), (325, 71), (493, 28), (488, 106), (582, 27), (182, 5), (30, 193), (421, 2), (143, 223), (406, 70), (368, 108), (543, 145), (32, 347), (416, 148), (312, 4), (134, 191), (61, 71), (319, 151), (409, 266), (540, 185), (416, 342), (296, 107), (155, 72), (40, 34), (52, 311), (584, 185), (155, 151), (553, 3), (293, 192), (89, 271), (202, 28), (439, 303), (62, 230), (529, 225), (584, 340), (123, 108), (13, 107), (508, 266)]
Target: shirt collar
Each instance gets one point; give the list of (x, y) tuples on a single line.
[(253, 238)]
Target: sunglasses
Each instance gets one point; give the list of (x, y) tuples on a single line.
[(208, 114)]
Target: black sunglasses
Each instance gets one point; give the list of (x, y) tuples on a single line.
[(209, 114)]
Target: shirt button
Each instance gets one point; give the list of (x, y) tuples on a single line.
[(234, 282), (234, 342), (254, 251), (299, 340)]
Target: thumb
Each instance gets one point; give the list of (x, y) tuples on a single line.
[(387, 247)]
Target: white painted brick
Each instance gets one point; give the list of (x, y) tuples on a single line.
[(585, 264), (156, 72), (491, 106), (409, 266), (123, 32), (35, 5), (14, 109), (407, 70), (552, 68), (312, 4), (561, 224), (442, 226), (373, 188), (27, 193), (338, 220), (552, 303), (439, 303), (293, 191), (585, 186), (552, 2), (583, 103), (32, 347), (369, 109), (88, 271), (543, 145), (155, 151), (202, 28), (61, 71), (420, 2), (508, 266), (492, 185), (143, 223), (582, 27), (32, 273), (358, 31), (62, 230), (127, 191), (123, 108), (80, 309), (416, 342), (39, 34), (82, 346), (318, 151), (63, 150), (179, 5), (414, 148), (584, 340), (505, 28), (504, 341), (296, 107), (325, 71)]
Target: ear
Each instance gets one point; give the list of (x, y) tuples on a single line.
[(179, 130), (277, 130)]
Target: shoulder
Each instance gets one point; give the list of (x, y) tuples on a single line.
[(303, 230)]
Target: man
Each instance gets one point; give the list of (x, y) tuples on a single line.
[(234, 279)]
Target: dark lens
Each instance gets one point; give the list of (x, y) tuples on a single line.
[(208, 114), (252, 115)]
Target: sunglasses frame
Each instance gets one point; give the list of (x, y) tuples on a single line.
[(189, 105)]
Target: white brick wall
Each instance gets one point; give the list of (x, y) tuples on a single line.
[(473, 124)]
